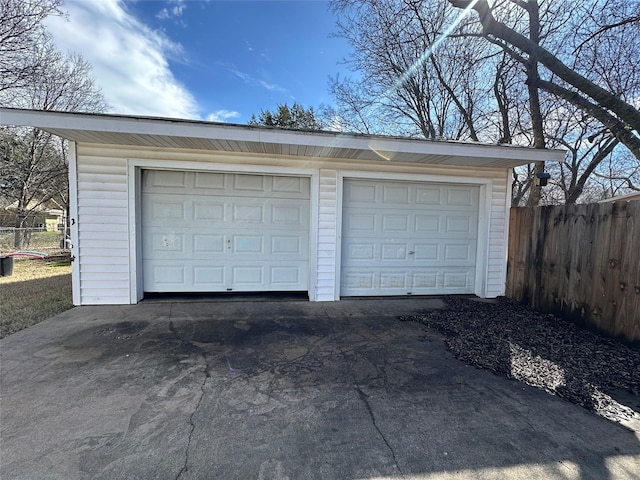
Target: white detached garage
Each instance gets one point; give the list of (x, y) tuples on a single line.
[(174, 206)]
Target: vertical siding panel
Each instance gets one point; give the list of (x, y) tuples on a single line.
[(102, 227), (327, 235), (497, 258)]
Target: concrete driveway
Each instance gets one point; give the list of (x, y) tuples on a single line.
[(280, 390)]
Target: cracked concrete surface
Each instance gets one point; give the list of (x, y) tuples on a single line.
[(365, 399), (185, 467), (279, 390)]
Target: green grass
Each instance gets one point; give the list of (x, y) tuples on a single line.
[(37, 290)]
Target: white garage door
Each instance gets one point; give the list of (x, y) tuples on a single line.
[(219, 232), (406, 238)]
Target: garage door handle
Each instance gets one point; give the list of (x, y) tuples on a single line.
[(411, 252)]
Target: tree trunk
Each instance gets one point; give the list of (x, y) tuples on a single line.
[(536, 189), (537, 123), (502, 101), (20, 239)]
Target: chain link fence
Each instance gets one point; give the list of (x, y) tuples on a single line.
[(33, 239)]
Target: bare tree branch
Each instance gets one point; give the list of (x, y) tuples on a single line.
[(491, 27), (604, 28), (622, 132)]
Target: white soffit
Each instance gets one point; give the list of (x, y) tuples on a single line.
[(200, 135)]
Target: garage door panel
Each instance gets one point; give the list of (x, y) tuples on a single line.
[(287, 245), (248, 244), (456, 280), (209, 276), (210, 181), (163, 210), (286, 214), (166, 274), (223, 184), (460, 224), (275, 213), (359, 281), (211, 210), (424, 282), (460, 196), (247, 275), (224, 232), (415, 253), (290, 185), (208, 243), (400, 282), (253, 183), (360, 252), (284, 276), (394, 252), (162, 178), (244, 276), (396, 195), (427, 252), (360, 194), (170, 243), (395, 222), (456, 253), (268, 243), (359, 222), (251, 277), (427, 223), (402, 238), (248, 213), (393, 280), (399, 224), (428, 195), (160, 208)]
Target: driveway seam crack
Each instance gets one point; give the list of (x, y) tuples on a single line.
[(207, 375), (365, 399)]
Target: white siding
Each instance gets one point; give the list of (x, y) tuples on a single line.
[(103, 221), (498, 225), (327, 235), (103, 228)]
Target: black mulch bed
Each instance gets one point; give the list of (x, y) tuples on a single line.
[(541, 350)]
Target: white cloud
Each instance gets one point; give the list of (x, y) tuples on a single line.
[(129, 59), (222, 115), (249, 80), (174, 9)]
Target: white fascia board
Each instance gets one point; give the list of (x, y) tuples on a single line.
[(61, 121)]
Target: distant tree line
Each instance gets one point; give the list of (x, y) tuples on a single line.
[(284, 116)]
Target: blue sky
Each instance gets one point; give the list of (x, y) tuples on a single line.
[(211, 60)]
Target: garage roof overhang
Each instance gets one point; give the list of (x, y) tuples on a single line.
[(138, 131)]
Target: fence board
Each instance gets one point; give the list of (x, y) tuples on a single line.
[(579, 261)]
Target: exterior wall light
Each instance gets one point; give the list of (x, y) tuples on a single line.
[(542, 178)]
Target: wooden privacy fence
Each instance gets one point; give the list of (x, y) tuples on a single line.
[(579, 261)]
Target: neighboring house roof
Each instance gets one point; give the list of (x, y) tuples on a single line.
[(622, 198), (35, 207), (199, 135)]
